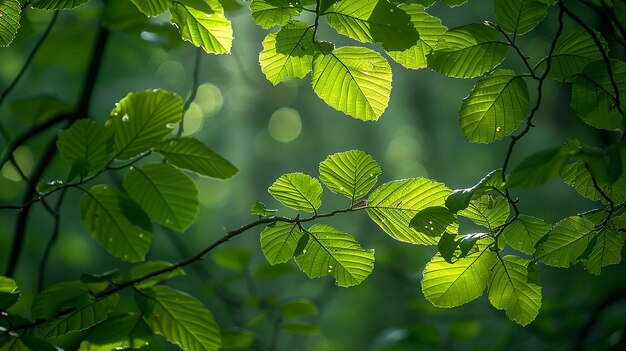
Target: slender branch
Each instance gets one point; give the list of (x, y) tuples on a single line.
[(317, 19), (604, 196), (193, 93), (29, 59), (53, 238), (511, 43)]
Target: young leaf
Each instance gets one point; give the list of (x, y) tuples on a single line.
[(467, 51), (57, 4), (434, 221), (119, 332), (9, 293), (86, 143), (70, 306), (207, 29), (330, 251), (9, 21), (298, 308), (562, 246), (166, 194), (116, 222), (525, 232), (394, 204), (538, 168), (451, 285), (487, 211), (577, 176), (259, 209), (593, 96), (298, 191), (193, 155), (606, 251), (353, 80), (270, 13), (142, 119), (459, 199), (150, 267), (374, 21), (519, 16), (179, 318), (574, 50), (288, 53), (152, 7), (495, 107), (279, 241), (512, 291), (352, 173), (429, 29)]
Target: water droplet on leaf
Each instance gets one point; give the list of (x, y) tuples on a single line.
[(125, 118)]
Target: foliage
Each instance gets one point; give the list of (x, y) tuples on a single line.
[(484, 241)]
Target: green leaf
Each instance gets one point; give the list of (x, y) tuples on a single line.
[(511, 290), (57, 4), (467, 51), (279, 241), (495, 107), (236, 339), (270, 13), (193, 155), (519, 16), (25, 343), (353, 80), (394, 204), (606, 251), (300, 328), (451, 285), (142, 119), (605, 165), (39, 108), (577, 176), (455, 3), (459, 199), (574, 50), (9, 21), (330, 251), (429, 29), (487, 211), (562, 246), (352, 173), (166, 194), (86, 143), (123, 331), (152, 7), (525, 232), (69, 307), (298, 191), (447, 246), (374, 21), (288, 53), (593, 96), (116, 222), (259, 209), (210, 30), (179, 318), (45, 187), (434, 221), (538, 168), (9, 293), (235, 258), (150, 267), (298, 308)]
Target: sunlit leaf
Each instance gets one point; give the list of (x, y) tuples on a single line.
[(152, 7), (352, 173), (538, 168), (511, 290), (574, 50), (24, 343), (467, 51), (524, 233), (210, 30), (562, 246), (57, 4), (394, 204), (287, 53), (451, 285), (374, 21), (593, 96), (459, 199), (434, 221), (116, 222), (123, 331), (330, 251), (353, 80), (487, 211), (179, 318), (86, 143), (429, 29), (606, 251), (259, 209), (270, 13), (9, 293), (166, 194), (192, 154), (279, 241), (519, 16), (9, 21), (577, 176), (142, 119), (298, 191)]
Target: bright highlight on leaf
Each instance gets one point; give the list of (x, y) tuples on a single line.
[(9, 21), (495, 107), (85, 146), (203, 27), (487, 211), (57, 4), (434, 221), (270, 13), (332, 252), (519, 16), (353, 80), (298, 191), (525, 232), (193, 155), (565, 242), (9, 293), (288, 53), (152, 7), (352, 173), (279, 241), (118, 332)]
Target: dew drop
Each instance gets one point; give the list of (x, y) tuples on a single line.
[(141, 235), (382, 220), (172, 143), (430, 222), (498, 129), (171, 125), (168, 221), (371, 174), (304, 251), (330, 267), (1, 13), (330, 271), (431, 228), (340, 188), (125, 118)]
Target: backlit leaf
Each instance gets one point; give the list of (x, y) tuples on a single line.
[(352, 173), (574, 50), (562, 246), (288, 53), (193, 155), (434, 221), (9, 21), (606, 251), (87, 143), (487, 211), (270, 13), (123, 331), (577, 176), (152, 7), (9, 293), (519, 16), (57, 4), (524, 233), (150, 267), (210, 30), (259, 209), (279, 241), (459, 199), (298, 191)]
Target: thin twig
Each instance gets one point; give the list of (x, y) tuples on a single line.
[(193, 93), (53, 238)]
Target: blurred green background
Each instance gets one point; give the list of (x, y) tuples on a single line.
[(267, 131)]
